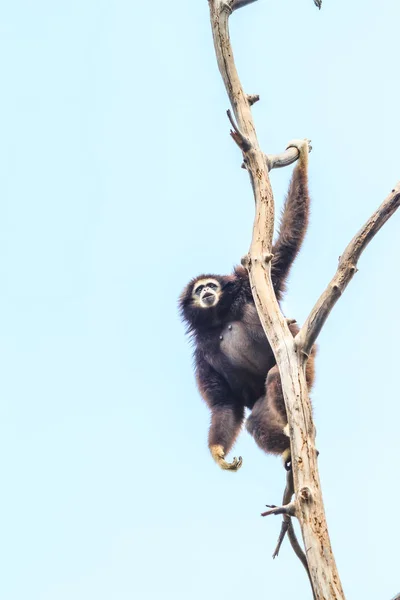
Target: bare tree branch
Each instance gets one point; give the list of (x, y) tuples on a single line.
[(289, 510), (241, 140), (282, 533), (346, 269), (235, 4), (287, 526), (291, 154), (240, 3), (308, 499), (252, 98), (284, 159)]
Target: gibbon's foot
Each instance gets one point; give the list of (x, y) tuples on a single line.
[(218, 455), (287, 459), (301, 145), (318, 3), (291, 321), (288, 464)]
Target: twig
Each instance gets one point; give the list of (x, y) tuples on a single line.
[(288, 509), (252, 98), (287, 527), (284, 527), (237, 135), (287, 497)]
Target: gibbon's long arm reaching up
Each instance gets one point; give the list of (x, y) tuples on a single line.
[(235, 365), (293, 223)]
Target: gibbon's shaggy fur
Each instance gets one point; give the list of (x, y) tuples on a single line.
[(234, 363)]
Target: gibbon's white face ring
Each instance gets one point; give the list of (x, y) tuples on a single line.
[(206, 292)]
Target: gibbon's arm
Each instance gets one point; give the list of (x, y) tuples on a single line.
[(226, 415), (294, 220)]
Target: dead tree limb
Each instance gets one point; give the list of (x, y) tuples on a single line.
[(287, 527), (284, 159), (346, 269), (291, 354)]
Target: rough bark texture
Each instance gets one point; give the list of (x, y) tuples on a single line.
[(291, 354)]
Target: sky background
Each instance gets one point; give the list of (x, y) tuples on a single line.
[(119, 182)]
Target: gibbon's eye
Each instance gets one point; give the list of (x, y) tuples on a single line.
[(198, 290), (212, 286)]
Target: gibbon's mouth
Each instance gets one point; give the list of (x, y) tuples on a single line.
[(208, 298)]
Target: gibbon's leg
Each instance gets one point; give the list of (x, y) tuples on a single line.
[(227, 414), (226, 422), (267, 421)]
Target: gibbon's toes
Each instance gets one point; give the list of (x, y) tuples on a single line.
[(218, 454), (235, 464), (232, 466), (300, 145)]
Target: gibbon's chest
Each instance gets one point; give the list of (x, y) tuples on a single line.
[(244, 344)]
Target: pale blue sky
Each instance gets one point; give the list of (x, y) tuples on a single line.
[(119, 181)]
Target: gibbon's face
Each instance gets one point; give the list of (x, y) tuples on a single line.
[(206, 292)]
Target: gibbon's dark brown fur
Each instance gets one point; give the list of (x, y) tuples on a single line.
[(234, 364)]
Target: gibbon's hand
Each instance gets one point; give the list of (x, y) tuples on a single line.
[(301, 145), (218, 455)]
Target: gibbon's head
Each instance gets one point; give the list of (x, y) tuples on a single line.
[(204, 298), (206, 292)]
